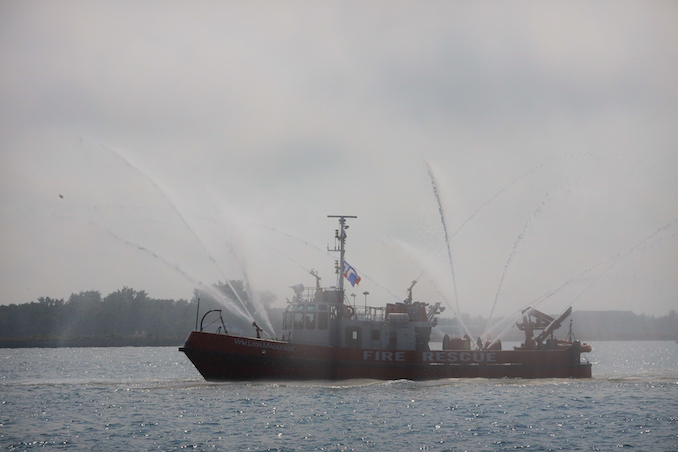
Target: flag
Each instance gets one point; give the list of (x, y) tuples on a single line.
[(350, 274)]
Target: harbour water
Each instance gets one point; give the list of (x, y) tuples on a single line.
[(148, 399)]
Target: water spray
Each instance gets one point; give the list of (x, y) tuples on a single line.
[(248, 289), (181, 217), (512, 183), (209, 289), (447, 238), (411, 254), (614, 261), (510, 258)]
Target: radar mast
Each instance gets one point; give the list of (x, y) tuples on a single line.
[(340, 237)]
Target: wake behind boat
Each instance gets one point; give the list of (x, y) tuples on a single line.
[(325, 338)]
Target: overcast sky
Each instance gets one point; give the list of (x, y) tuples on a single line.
[(165, 145)]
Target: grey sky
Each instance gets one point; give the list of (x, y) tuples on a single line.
[(159, 145)]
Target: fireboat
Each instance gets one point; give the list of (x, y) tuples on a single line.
[(326, 338)]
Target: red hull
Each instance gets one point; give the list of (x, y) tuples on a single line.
[(220, 357)]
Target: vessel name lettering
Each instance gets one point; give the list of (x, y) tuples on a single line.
[(371, 355), (250, 343), (462, 357)]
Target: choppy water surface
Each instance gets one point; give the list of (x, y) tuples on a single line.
[(153, 399)]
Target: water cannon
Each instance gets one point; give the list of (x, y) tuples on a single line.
[(298, 291), (317, 278)]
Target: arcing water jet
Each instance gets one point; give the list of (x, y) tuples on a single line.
[(447, 238), (119, 155), (614, 261), (510, 258), (209, 289)]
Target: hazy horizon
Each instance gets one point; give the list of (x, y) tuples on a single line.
[(164, 146)]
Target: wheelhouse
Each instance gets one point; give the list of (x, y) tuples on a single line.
[(324, 317)]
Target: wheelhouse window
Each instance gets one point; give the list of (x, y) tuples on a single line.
[(310, 317), (288, 318), (298, 320)]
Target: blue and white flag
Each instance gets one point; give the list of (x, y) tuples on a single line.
[(350, 274)]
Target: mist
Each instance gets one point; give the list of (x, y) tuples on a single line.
[(165, 147)]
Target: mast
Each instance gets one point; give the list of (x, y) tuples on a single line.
[(340, 235)]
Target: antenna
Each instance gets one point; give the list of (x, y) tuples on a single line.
[(340, 235)]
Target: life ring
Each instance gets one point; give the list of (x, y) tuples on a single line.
[(349, 310)]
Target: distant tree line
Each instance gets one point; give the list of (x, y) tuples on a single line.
[(124, 317), (131, 317)]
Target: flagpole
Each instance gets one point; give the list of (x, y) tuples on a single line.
[(341, 236)]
